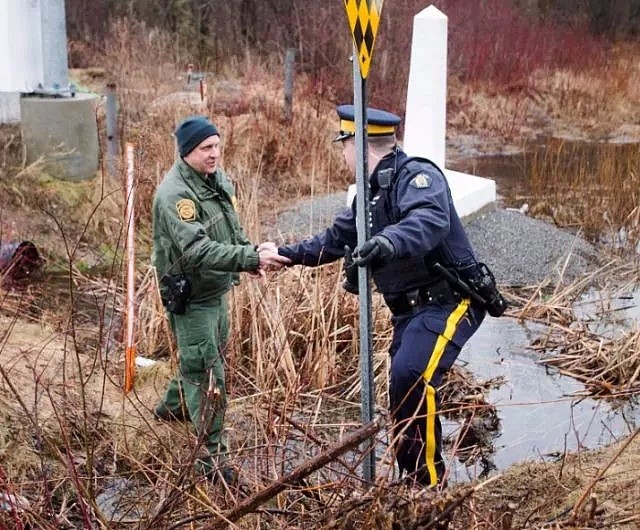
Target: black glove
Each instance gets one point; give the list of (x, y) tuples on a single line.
[(286, 251), (350, 272), (376, 250)]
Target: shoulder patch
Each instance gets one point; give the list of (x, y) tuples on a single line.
[(421, 180), (186, 209), (234, 202)]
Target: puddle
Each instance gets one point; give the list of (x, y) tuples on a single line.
[(609, 314), (508, 171), (540, 415)]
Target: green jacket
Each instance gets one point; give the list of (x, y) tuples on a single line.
[(196, 231)]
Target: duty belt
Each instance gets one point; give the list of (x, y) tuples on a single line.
[(412, 301)]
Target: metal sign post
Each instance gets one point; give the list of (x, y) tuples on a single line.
[(368, 395), (364, 18)]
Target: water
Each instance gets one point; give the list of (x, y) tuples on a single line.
[(119, 501), (508, 171), (610, 314), (542, 413), (562, 159)]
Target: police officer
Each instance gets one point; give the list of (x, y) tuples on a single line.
[(199, 248), (414, 226)]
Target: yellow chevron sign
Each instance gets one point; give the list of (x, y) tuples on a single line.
[(364, 19)]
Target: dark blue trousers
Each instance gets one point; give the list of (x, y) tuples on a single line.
[(424, 347)]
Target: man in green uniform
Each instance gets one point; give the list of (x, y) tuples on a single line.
[(199, 249)]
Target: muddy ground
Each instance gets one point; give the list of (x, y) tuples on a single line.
[(49, 411), (58, 399)]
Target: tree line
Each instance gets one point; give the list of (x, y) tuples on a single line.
[(614, 19), (497, 41), (279, 22)]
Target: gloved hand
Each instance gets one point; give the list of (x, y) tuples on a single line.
[(350, 272), (377, 250), (286, 251)]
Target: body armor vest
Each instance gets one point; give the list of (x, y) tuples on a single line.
[(402, 275)]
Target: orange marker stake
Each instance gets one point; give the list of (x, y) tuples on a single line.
[(130, 349)]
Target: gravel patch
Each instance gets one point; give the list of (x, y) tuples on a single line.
[(307, 217), (520, 250)]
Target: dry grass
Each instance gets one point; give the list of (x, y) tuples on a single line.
[(608, 366), (596, 190), (576, 178), (67, 430), (245, 100), (590, 103), (293, 384), (597, 490)]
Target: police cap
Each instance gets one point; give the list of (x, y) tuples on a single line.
[(379, 122)]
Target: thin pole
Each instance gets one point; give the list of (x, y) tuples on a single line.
[(364, 273), (203, 95), (130, 351), (289, 73), (111, 118)]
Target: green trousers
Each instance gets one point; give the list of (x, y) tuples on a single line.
[(201, 333)]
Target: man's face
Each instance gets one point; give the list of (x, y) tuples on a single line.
[(349, 153), (204, 158)]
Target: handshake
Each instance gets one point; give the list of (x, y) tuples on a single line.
[(375, 252), (270, 260)]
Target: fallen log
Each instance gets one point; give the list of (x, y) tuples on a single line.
[(250, 504)]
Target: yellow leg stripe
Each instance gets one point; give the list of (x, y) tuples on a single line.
[(441, 343), (430, 449), (447, 334)]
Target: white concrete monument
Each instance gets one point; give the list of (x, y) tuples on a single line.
[(426, 111)]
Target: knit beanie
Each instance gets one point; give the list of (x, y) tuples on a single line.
[(192, 131)]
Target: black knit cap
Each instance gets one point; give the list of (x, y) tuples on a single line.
[(191, 131)]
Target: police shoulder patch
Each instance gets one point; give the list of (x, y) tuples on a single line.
[(421, 180), (186, 209)]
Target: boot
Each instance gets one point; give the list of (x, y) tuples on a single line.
[(163, 413), (215, 471)]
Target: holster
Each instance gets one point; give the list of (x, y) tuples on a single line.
[(178, 293), (483, 283), (350, 272)]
